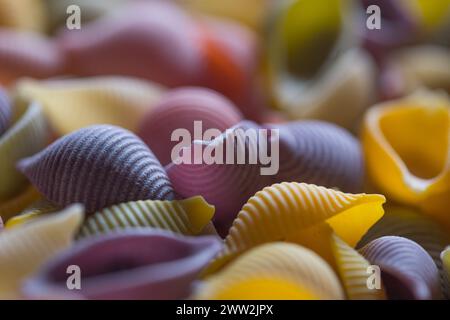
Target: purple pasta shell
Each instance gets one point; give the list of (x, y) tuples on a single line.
[(134, 264), (320, 153), (98, 166), (407, 270), (194, 104), (28, 54), (226, 186), (154, 40), (5, 111), (309, 151)]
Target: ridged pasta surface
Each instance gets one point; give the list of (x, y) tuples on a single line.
[(188, 217), (407, 270), (98, 166), (280, 211), (271, 262)]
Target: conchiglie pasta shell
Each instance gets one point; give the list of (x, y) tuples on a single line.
[(273, 271), (71, 104), (137, 264), (188, 217), (24, 250), (407, 270), (407, 149), (414, 225), (282, 210), (98, 166), (26, 136), (208, 108)]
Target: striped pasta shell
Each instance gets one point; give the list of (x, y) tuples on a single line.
[(28, 54), (24, 250), (136, 264), (349, 265), (98, 166), (320, 153), (188, 217), (27, 135), (273, 271), (414, 225), (407, 270), (211, 110), (309, 151), (5, 111), (226, 186), (407, 148), (354, 271), (71, 104), (282, 210)]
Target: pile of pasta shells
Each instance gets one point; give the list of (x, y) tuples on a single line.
[(360, 205)]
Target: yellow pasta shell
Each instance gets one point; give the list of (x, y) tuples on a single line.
[(25, 137), (407, 149), (280, 211), (189, 216), (271, 271), (23, 250), (71, 104), (351, 266)]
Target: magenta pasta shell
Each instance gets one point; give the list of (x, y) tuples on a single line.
[(5, 112), (154, 40), (98, 166), (28, 54), (309, 151), (320, 153), (226, 186), (407, 270), (178, 110), (135, 264)]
